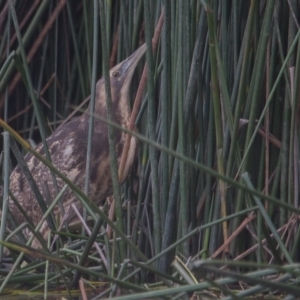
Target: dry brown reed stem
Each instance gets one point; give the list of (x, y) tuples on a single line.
[(3, 14), (82, 290), (28, 107), (37, 44), (263, 132), (135, 110), (28, 15), (249, 219), (139, 96), (264, 241)]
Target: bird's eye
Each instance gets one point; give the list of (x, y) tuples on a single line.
[(116, 74)]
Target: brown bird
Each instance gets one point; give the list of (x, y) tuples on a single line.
[(68, 148)]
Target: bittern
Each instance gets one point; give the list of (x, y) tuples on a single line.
[(68, 149)]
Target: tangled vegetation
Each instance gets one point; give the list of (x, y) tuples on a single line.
[(211, 206)]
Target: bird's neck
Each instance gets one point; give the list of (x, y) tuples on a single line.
[(120, 109)]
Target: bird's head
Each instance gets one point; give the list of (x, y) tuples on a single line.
[(120, 82)]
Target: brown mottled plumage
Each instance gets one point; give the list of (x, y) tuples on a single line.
[(68, 148)]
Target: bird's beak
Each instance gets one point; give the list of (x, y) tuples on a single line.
[(129, 65)]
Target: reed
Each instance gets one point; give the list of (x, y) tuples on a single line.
[(213, 198)]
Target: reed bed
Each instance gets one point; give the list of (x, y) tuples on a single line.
[(211, 207)]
